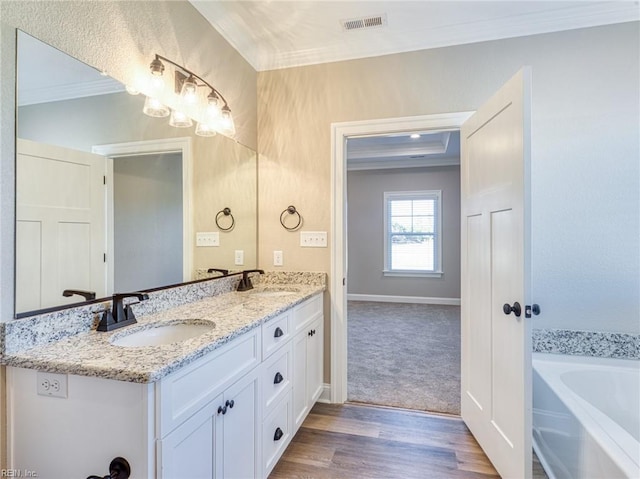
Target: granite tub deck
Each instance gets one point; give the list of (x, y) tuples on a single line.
[(92, 354)]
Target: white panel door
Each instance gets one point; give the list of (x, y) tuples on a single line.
[(60, 224), (496, 347)]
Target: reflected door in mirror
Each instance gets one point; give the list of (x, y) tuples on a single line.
[(60, 225)]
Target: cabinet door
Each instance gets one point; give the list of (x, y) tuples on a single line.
[(241, 433), (315, 367), (300, 403), (193, 449)]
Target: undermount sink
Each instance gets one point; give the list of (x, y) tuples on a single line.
[(174, 332)]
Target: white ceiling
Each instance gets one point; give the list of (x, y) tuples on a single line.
[(46, 74), (273, 34)]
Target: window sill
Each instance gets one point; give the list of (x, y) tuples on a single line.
[(414, 274)]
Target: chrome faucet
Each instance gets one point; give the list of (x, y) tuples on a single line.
[(245, 282), (120, 315)]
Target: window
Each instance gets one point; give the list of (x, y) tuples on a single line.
[(412, 230)]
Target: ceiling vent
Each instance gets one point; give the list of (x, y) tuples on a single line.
[(372, 21)]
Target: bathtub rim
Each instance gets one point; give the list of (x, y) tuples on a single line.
[(617, 442)]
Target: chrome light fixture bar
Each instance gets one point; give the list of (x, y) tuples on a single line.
[(212, 112)]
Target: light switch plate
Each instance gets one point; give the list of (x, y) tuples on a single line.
[(239, 257), (208, 239), (313, 239)]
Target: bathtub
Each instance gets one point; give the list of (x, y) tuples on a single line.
[(585, 416)]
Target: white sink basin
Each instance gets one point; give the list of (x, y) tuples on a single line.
[(175, 332)]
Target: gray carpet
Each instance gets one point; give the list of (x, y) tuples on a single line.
[(404, 355)]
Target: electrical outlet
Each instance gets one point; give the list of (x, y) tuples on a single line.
[(208, 239), (277, 258), (313, 239), (51, 384), (239, 256)]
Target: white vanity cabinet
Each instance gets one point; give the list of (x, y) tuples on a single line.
[(202, 421), (229, 414), (220, 396), (307, 357)]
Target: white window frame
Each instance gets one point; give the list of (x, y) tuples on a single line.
[(437, 271)]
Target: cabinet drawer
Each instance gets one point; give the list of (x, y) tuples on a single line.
[(275, 333), (304, 313), (276, 433), (184, 392), (276, 376)]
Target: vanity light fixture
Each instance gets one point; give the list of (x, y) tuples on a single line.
[(188, 102)]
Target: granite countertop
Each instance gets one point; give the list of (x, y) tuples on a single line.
[(92, 354)]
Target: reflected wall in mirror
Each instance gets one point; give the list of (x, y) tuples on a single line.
[(163, 185)]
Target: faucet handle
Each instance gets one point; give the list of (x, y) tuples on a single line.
[(107, 321)]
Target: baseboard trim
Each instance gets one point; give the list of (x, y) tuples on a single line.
[(380, 298), (325, 395)]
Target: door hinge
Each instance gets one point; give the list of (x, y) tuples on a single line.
[(344, 281), (529, 309), (104, 180), (104, 257)]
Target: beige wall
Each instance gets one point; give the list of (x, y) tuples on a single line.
[(585, 139)]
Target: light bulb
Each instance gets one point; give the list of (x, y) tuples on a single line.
[(227, 126), (179, 119), (205, 129), (189, 90), (153, 107)]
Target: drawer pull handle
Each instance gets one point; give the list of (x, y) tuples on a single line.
[(312, 332), (278, 379), (229, 404), (278, 332), (222, 410), (278, 434)]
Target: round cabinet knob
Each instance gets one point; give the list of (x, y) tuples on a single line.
[(278, 332), (278, 434), (229, 404), (278, 379), (515, 309)]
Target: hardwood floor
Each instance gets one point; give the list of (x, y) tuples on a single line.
[(353, 441), (363, 442)]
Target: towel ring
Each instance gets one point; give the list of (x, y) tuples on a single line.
[(292, 211), (225, 212)]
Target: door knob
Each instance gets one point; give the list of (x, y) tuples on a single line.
[(515, 309)]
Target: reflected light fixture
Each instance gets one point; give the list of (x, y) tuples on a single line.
[(154, 107), (211, 112)]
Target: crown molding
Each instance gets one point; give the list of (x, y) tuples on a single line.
[(35, 96)]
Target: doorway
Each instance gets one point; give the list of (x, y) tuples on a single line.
[(339, 266), (147, 221), (181, 149), (403, 283)]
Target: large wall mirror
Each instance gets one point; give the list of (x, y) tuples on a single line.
[(111, 200)]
